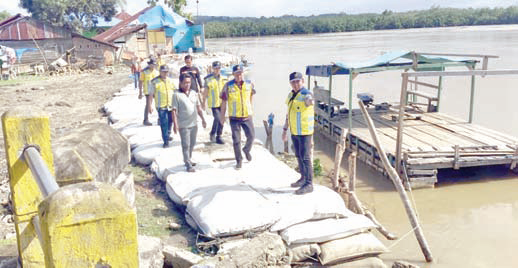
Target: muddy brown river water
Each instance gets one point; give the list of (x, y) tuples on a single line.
[(471, 218)]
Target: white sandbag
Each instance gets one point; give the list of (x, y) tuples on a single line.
[(146, 153), (228, 210), (302, 252), (325, 230), (165, 164), (357, 246), (322, 203), (147, 135), (182, 186), (369, 262)]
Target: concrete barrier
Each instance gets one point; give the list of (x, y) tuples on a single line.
[(22, 126), (91, 152), (87, 225)]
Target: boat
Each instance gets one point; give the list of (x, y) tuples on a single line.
[(426, 140)]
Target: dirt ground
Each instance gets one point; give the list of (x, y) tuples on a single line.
[(70, 101)]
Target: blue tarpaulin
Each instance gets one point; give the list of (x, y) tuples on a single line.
[(183, 33)]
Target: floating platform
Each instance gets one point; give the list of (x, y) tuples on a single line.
[(431, 141)]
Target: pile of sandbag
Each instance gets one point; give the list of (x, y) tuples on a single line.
[(221, 201)]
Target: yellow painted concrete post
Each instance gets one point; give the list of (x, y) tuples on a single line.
[(88, 224), (23, 126)]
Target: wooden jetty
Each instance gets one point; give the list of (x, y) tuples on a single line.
[(426, 140)]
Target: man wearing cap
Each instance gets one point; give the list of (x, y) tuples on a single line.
[(147, 75), (214, 84), (185, 106), (300, 120), (162, 89), (193, 72), (238, 94)]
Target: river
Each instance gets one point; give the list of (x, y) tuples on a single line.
[(470, 219)]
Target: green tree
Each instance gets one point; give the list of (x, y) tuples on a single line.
[(74, 14), (176, 5), (4, 15)]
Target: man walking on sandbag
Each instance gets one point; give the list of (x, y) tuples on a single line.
[(148, 74), (300, 120), (214, 84), (238, 94), (162, 89), (185, 106)]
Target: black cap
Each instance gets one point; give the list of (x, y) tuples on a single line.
[(295, 76), (237, 68), (151, 61), (216, 64), (164, 68)]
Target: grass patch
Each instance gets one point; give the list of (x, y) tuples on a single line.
[(22, 79), (155, 210)]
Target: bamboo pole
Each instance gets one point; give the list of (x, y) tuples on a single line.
[(399, 186), (401, 119), (340, 148), (356, 205)]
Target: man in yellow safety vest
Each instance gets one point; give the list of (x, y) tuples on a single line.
[(146, 76), (162, 89), (238, 94), (214, 84), (300, 120)]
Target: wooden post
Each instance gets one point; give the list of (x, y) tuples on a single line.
[(401, 119), (352, 172), (472, 99), (350, 114), (340, 148), (269, 141), (398, 184)]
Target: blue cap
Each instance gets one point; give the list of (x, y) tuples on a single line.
[(295, 76), (216, 64), (237, 68), (164, 68)]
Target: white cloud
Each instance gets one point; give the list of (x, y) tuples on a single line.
[(11, 6)]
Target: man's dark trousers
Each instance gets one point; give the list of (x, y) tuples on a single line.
[(217, 127), (248, 128), (302, 145), (166, 122)]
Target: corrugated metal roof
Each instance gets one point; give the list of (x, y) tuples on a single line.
[(122, 28), (26, 28)]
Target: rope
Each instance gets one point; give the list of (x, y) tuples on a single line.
[(401, 238)]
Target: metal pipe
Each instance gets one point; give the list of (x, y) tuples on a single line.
[(40, 171)]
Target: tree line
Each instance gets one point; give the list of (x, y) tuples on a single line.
[(216, 27)]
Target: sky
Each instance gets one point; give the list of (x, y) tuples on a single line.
[(269, 8)]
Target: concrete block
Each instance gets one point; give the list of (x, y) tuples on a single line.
[(150, 252), (126, 184), (88, 225), (264, 250), (91, 152), (180, 258)]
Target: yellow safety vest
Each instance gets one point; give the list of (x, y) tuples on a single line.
[(215, 87), (164, 90), (300, 117), (147, 76), (238, 99)]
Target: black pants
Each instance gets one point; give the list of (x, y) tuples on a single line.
[(248, 128), (217, 127), (146, 108), (302, 144)]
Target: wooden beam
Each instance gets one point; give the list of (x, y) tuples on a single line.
[(423, 84), (462, 73), (457, 55), (396, 180), (401, 119)]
